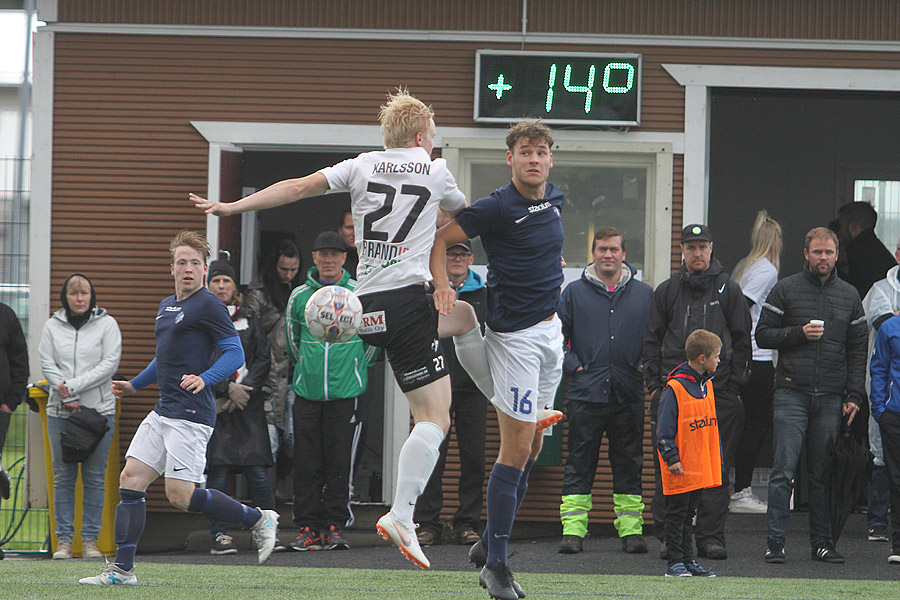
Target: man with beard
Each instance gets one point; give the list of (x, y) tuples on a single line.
[(700, 296)]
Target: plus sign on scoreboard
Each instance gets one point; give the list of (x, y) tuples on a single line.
[(563, 89)]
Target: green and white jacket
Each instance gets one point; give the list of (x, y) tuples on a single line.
[(322, 370)]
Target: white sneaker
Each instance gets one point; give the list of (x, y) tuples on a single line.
[(89, 549), (265, 533), (63, 551), (404, 536), (745, 501), (547, 417), (112, 575)]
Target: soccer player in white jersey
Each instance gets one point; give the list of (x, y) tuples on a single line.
[(395, 196), (521, 230)]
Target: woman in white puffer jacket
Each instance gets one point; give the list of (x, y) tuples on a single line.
[(80, 350)]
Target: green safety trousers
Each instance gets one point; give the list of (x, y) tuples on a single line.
[(629, 508)]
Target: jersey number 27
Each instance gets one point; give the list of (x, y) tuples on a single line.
[(390, 192)]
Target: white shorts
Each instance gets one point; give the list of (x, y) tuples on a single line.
[(174, 448), (526, 366)]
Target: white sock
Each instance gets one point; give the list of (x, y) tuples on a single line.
[(418, 456), (472, 355)]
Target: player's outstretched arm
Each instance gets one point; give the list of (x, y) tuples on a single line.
[(449, 234), (277, 194)]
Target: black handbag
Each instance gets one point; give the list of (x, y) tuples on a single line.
[(83, 432)]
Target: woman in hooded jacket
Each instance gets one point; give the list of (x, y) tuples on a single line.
[(80, 350)]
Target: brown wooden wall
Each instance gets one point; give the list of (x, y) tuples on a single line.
[(801, 19), (125, 156)]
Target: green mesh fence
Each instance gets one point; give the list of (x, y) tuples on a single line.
[(22, 529)]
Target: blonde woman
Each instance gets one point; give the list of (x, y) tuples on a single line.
[(757, 274), (80, 350)]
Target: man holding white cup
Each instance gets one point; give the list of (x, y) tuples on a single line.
[(819, 380)]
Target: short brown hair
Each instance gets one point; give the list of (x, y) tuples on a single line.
[(701, 342), (607, 232), (821, 233), (191, 239), (402, 117), (532, 130)]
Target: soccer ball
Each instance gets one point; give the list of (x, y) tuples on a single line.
[(333, 314)]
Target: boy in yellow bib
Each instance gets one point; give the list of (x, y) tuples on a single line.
[(688, 443)]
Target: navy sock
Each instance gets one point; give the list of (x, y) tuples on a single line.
[(501, 511), (520, 494), (523, 485), (131, 514), (222, 507)]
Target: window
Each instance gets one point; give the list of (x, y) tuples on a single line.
[(885, 197)]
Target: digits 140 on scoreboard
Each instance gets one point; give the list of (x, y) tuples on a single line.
[(575, 88)]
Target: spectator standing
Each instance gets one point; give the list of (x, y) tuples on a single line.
[(328, 379), (13, 379), (267, 298), (815, 320), (885, 398), (700, 296), (348, 232), (468, 412), (756, 273), (240, 440), (602, 357), (80, 350), (880, 304), (867, 258), (688, 442)]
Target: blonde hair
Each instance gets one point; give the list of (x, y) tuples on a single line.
[(402, 117), (765, 242), (701, 342), (191, 239), (79, 281), (820, 233)]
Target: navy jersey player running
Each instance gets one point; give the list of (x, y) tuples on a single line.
[(396, 195), (521, 230), (171, 441)]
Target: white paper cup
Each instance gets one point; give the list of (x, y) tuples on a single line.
[(817, 322)]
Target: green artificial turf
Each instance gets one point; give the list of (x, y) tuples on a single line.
[(46, 579)]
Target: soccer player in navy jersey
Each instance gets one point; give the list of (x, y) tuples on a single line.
[(521, 231), (396, 195), (171, 441)]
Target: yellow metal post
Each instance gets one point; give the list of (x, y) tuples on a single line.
[(106, 541)]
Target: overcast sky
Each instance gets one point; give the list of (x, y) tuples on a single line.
[(12, 46)]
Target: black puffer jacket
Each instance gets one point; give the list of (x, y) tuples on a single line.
[(688, 301), (833, 364)]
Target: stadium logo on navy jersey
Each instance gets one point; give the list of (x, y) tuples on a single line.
[(538, 207), (179, 318)]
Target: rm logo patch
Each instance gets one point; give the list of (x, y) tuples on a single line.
[(372, 322)]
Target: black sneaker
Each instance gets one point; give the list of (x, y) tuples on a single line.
[(827, 553), (878, 533), (307, 540), (478, 554), (712, 551), (775, 553), (222, 544), (497, 581), (570, 544), (696, 570), (334, 540)]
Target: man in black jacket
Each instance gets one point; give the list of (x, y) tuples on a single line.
[(816, 322), (13, 377), (700, 296), (867, 259)]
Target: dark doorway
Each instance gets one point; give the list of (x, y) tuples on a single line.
[(796, 154), (301, 222)]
